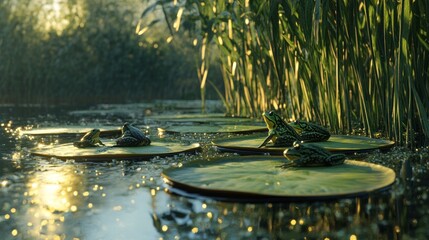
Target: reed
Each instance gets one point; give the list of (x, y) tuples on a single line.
[(347, 64)]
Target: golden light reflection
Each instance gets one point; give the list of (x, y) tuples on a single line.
[(53, 193), (164, 228)]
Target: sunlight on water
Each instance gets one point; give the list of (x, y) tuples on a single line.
[(52, 193), (52, 199)]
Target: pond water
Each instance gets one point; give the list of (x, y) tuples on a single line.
[(54, 199)]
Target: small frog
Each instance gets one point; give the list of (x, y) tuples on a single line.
[(310, 155), (280, 133), (132, 137), (311, 132), (90, 139)]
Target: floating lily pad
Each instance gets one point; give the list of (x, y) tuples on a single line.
[(214, 129), (65, 130), (199, 118), (259, 177), (114, 109), (68, 151), (71, 130), (186, 116), (336, 143)]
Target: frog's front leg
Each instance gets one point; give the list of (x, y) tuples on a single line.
[(299, 162), (287, 165), (98, 142), (335, 159), (267, 139)]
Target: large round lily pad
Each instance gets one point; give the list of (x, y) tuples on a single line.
[(214, 129), (336, 143), (259, 177), (68, 151)]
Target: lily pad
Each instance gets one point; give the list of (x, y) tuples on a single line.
[(185, 116), (160, 149), (259, 177), (336, 143), (106, 131), (199, 118), (131, 109), (214, 129), (68, 130)]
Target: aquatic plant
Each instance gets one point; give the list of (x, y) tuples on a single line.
[(346, 64)]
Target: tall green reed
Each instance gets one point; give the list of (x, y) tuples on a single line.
[(346, 64)]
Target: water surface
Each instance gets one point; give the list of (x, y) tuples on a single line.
[(49, 198)]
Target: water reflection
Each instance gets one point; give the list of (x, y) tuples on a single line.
[(344, 219), (54, 194), (49, 199)]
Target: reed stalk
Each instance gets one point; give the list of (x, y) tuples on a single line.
[(345, 64)]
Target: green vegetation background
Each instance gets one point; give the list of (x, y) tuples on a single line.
[(94, 57)]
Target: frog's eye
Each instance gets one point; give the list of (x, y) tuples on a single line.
[(296, 145), (271, 113)]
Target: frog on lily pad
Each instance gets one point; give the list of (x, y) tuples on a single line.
[(310, 132), (132, 137), (310, 155), (90, 139)]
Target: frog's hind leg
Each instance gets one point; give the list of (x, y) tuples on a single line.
[(127, 142), (284, 141), (315, 137), (146, 141), (335, 159)]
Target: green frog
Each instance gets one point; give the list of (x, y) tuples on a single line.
[(279, 132), (311, 132), (132, 137), (90, 139), (310, 155)]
